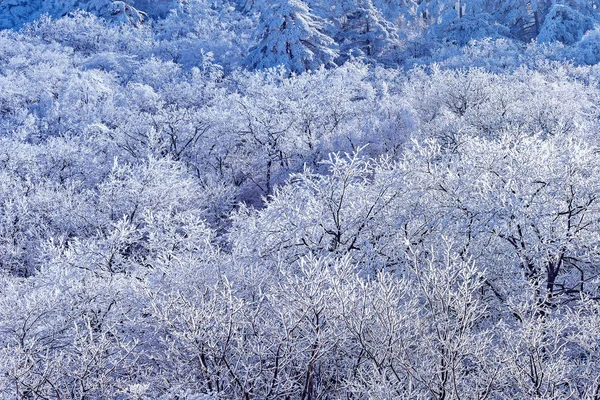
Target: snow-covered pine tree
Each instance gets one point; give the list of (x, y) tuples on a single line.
[(524, 18), (397, 11), (565, 24), (15, 13), (440, 13), (290, 35), (459, 21), (364, 31)]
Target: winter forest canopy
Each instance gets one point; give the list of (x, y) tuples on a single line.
[(254, 199)]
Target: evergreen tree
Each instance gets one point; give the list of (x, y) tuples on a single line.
[(524, 18), (440, 13), (458, 21), (290, 36), (565, 24), (397, 11), (15, 13), (363, 31)]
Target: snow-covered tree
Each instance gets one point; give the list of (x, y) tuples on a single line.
[(564, 24), (15, 13), (362, 31), (172, 226), (524, 18), (290, 35)]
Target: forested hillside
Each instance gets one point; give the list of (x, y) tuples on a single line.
[(254, 199)]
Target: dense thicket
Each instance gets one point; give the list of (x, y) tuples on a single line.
[(393, 210)]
